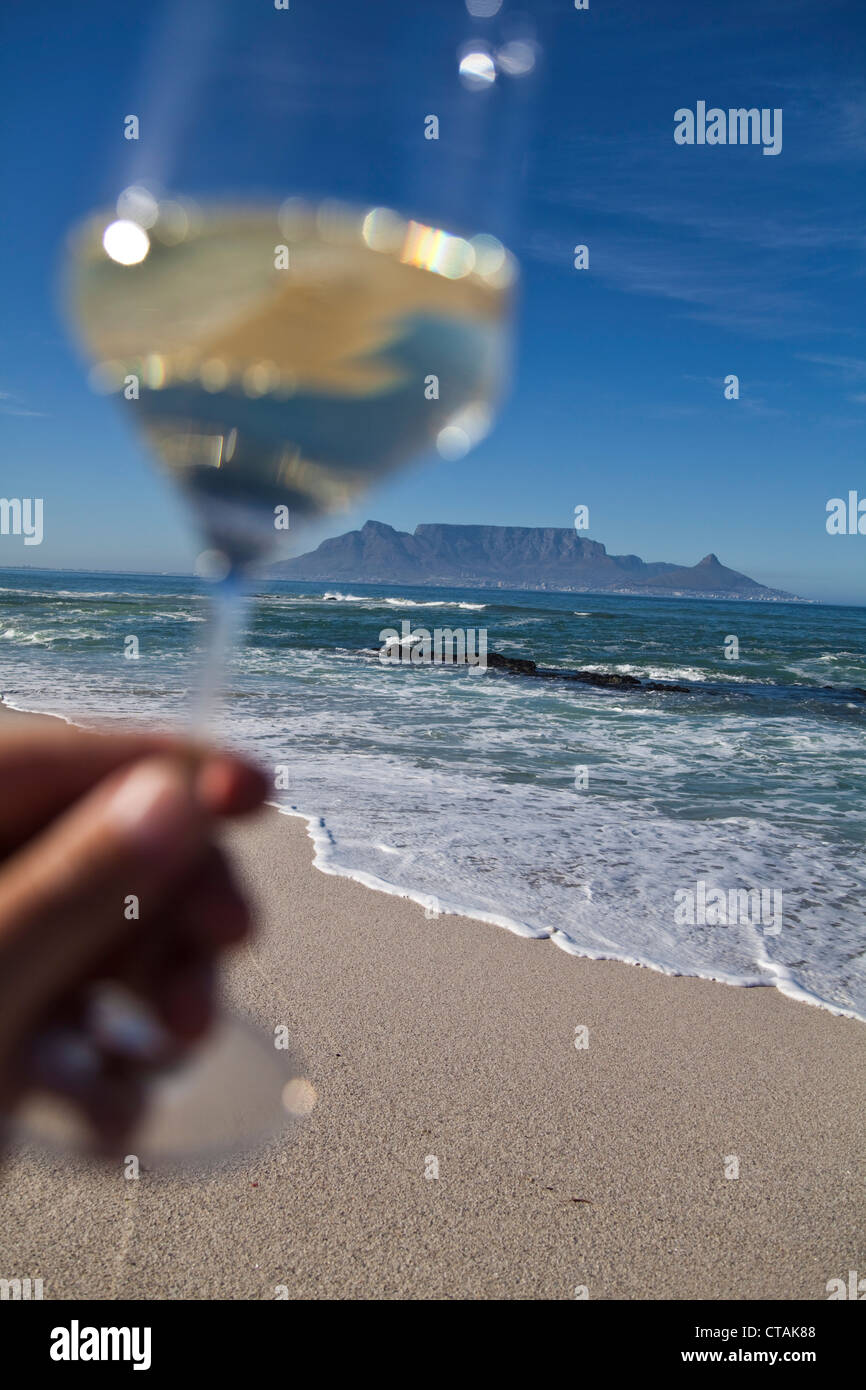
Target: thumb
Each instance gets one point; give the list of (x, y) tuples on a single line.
[(63, 898)]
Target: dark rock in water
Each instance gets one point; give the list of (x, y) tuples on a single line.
[(858, 690), (522, 666), (611, 679), (518, 664)]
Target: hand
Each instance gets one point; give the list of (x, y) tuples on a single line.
[(110, 870)]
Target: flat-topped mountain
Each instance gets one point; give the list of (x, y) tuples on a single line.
[(509, 557)]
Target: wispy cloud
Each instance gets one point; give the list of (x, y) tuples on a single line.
[(711, 288), (849, 368), (12, 405), (765, 247)]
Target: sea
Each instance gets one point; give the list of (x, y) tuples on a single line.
[(715, 832)]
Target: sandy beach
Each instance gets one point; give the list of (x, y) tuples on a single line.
[(559, 1167)]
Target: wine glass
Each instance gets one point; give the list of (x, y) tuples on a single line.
[(281, 360), (279, 357)]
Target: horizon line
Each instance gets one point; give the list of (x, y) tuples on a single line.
[(600, 593)]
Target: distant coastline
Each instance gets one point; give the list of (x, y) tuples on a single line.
[(272, 572), (534, 559), (443, 585)]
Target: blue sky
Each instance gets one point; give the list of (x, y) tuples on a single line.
[(704, 261)]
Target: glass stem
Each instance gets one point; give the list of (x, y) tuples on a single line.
[(227, 612)]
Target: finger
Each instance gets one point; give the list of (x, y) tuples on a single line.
[(211, 909), (109, 1093), (168, 978), (46, 766), (185, 999), (62, 897), (177, 988), (207, 914), (230, 785)]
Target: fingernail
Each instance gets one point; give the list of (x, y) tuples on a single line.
[(152, 806), (227, 782)]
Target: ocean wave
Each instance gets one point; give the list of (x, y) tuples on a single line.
[(112, 595), (651, 673), (597, 879), (48, 639), (376, 600), (179, 617), (418, 603), (846, 668)]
